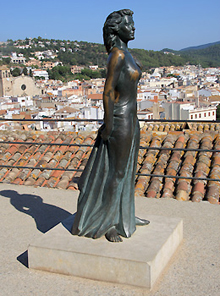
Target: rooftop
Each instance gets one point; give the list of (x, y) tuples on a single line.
[(192, 167)]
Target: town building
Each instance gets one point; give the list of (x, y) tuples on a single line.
[(40, 73), (49, 65), (17, 86), (188, 111), (76, 69), (17, 59)]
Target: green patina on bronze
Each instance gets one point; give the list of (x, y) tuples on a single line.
[(106, 200)]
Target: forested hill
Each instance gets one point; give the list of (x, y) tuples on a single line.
[(85, 53), (207, 55)]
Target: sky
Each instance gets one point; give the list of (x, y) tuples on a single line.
[(159, 23)]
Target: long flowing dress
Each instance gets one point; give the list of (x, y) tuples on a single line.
[(107, 183)]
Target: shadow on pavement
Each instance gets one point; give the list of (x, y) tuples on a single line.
[(23, 258), (46, 216)]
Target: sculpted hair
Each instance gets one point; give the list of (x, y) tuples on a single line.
[(111, 27)]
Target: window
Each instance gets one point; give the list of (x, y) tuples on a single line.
[(213, 113), (23, 87), (191, 116), (195, 116), (199, 115), (209, 114), (204, 114)]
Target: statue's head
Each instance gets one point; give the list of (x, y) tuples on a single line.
[(112, 26)]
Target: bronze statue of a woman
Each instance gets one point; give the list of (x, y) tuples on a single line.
[(106, 200)]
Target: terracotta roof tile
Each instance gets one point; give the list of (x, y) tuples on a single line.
[(160, 162), (39, 182), (29, 182), (213, 193), (50, 183)]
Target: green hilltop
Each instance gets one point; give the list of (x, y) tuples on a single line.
[(86, 53)]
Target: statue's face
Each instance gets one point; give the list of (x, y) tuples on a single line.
[(126, 29)]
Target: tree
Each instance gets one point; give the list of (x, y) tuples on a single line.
[(39, 78), (25, 71), (6, 60), (91, 74), (103, 73), (16, 72), (10, 42), (61, 73)]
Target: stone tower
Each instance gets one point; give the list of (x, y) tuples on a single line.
[(5, 77)]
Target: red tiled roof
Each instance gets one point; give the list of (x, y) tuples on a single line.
[(95, 96), (192, 163), (2, 112)]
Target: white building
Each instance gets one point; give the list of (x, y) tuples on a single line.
[(25, 102), (187, 111), (92, 112), (39, 55), (17, 59), (203, 113), (94, 67), (145, 115), (40, 73)]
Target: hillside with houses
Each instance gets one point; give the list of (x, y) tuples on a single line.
[(41, 78)]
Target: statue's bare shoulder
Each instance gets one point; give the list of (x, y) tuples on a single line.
[(116, 57)]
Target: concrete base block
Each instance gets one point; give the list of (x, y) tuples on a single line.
[(137, 261)]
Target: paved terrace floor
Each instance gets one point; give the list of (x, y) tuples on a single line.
[(27, 212)]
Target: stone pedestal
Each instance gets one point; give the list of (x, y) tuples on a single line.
[(137, 261)]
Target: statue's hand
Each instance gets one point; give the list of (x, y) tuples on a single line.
[(105, 132)]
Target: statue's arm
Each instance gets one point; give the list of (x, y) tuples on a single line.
[(115, 63)]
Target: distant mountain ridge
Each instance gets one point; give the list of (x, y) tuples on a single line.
[(207, 55), (200, 46)]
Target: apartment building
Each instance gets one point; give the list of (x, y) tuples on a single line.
[(17, 59), (189, 111)]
